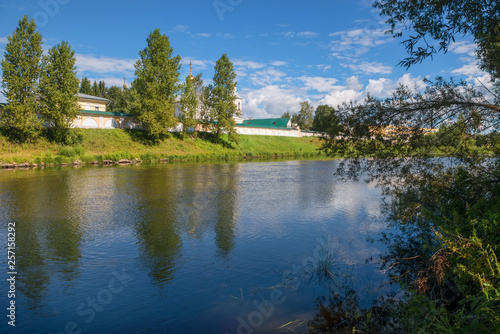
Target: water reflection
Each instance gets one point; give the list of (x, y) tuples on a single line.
[(157, 227), (46, 230), (225, 200), (197, 235), (191, 199)]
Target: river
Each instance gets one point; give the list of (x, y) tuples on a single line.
[(184, 248)]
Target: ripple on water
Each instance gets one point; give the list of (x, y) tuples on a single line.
[(201, 240)]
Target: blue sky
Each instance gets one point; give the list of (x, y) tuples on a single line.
[(284, 52)]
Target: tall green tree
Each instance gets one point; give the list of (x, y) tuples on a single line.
[(122, 99), (188, 104), (221, 96), (21, 68), (305, 115), (286, 114), (103, 90), (128, 101), (324, 118), (85, 86), (114, 95), (95, 89), (58, 89), (156, 84)]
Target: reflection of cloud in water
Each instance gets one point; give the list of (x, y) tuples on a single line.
[(195, 233), (278, 200)]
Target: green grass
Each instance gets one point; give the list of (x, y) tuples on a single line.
[(115, 144)]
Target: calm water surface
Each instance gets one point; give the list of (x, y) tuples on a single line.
[(183, 248)]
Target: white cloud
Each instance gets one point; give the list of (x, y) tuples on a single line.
[(338, 97), (279, 63), (225, 36), (259, 74), (470, 69), (180, 28), (243, 66), (319, 84), (266, 76), (377, 87), (273, 100), (407, 80), (202, 34), (357, 42), (484, 80), (463, 48), (484, 85), (307, 34), (110, 81), (248, 64), (353, 83), (197, 63), (383, 87), (94, 64), (270, 101), (369, 67), (3, 40), (323, 67), (303, 44)]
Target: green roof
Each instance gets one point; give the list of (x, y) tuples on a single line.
[(273, 123), (105, 113)]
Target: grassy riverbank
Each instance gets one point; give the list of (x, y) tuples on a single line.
[(114, 144)]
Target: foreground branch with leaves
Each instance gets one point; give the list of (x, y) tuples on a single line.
[(442, 189), (442, 199)]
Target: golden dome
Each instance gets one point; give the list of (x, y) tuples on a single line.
[(190, 76)]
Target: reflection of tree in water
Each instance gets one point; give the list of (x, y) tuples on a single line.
[(208, 199), (64, 235), (183, 198), (63, 243), (338, 315), (338, 311), (47, 230), (157, 230), (160, 244), (226, 202), (446, 211), (441, 249), (32, 280)]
